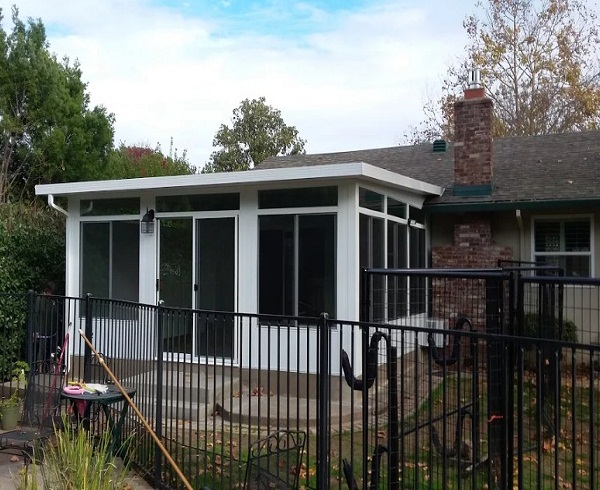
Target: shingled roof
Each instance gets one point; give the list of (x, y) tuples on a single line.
[(559, 169)]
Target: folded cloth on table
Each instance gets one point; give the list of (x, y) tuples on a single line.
[(95, 387)]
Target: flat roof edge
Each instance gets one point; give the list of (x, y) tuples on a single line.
[(249, 177)]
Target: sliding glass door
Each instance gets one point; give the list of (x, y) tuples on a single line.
[(215, 291), (197, 271)]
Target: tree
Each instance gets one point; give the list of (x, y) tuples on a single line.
[(257, 132), (128, 162), (539, 64), (48, 133)]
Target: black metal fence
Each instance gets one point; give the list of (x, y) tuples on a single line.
[(463, 379)]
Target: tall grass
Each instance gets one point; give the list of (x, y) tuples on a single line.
[(73, 461)]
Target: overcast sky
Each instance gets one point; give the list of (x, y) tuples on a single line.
[(349, 74)]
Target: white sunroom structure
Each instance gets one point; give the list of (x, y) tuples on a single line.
[(284, 241)]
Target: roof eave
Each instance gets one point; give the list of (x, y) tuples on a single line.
[(357, 170), (539, 205)]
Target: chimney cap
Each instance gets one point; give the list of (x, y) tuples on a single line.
[(474, 78)]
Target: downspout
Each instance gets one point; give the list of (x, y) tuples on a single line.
[(521, 233), (53, 205)]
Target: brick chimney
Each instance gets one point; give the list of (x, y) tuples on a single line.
[(473, 168)]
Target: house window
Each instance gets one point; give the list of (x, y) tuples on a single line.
[(564, 243), (198, 202), (105, 207), (370, 200), (397, 259), (372, 255), (298, 198), (402, 246), (297, 270), (110, 259)]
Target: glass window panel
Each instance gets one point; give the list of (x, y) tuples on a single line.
[(216, 285), (298, 198), (570, 265), (397, 259), (577, 236), (297, 265), (364, 241), (125, 260), (175, 274), (568, 243), (547, 236), (396, 208), (417, 261), (316, 265), (276, 265), (175, 281), (370, 200), (372, 255), (416, 214), (199, 202), (109, 207), (95, 259)]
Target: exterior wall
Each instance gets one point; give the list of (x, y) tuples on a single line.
[(347, 265), (511, 233), (473, 248)]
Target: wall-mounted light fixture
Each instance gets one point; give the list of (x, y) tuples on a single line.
[(147, 223)]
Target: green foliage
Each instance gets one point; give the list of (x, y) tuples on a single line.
[(18, 374), (532, 327), (539, 65), (32, 247), (32, 252), (127, 162), (75, 461), (257, 132), (48, 133)]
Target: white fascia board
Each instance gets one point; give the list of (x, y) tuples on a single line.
[(356, 170)]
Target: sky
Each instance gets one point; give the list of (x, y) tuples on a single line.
[(348, 74)]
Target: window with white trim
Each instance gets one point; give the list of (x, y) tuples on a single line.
[(297, 264), (392, 235), (564, 243), (110, 259), (297, 251)]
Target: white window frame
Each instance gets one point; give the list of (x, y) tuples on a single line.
[(563, 219)]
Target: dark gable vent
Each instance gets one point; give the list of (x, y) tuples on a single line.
[(439, 146)]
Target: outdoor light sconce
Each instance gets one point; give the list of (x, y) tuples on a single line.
[(147, 223)]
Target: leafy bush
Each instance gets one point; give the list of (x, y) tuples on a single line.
[(532, 328), (32, 252), (32, 247)]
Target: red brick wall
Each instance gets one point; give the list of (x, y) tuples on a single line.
[(473, 248), (473, 142)]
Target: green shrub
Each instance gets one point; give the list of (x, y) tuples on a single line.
[(32, 252), (532, 328), (32, 247)]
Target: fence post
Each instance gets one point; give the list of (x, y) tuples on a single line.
[(89, 333), (158, 458), (323, 408), (29, 327), (497, 385), (366, 291)]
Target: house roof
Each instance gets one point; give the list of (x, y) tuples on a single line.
[(535, 171)]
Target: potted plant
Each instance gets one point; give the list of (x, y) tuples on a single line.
[(10, 408)]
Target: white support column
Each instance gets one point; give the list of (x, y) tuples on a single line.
[(248, 252), (148, 256)]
